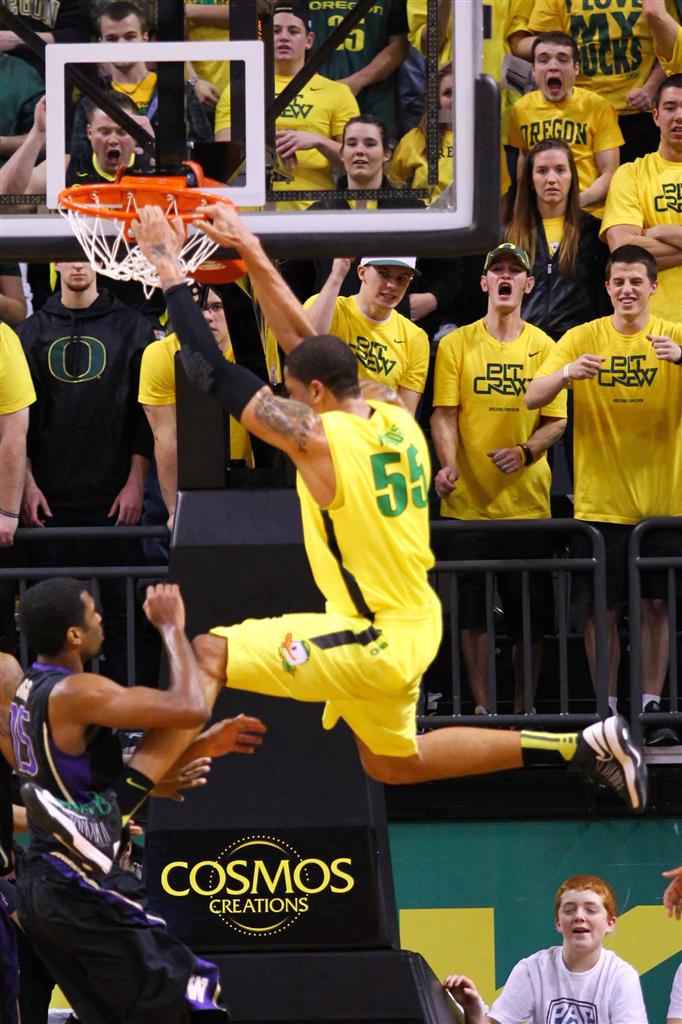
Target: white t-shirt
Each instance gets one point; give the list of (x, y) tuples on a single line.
[(675, 1008), (541, 990)]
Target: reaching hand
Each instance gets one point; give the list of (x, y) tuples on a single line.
[(665, 348), (240, 735), (585, 367), (190, 776), (164, 606), (672, 897), (157, 237), (222, 223), (445, 480)]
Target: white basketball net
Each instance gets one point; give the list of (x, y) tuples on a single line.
[(109, 251)]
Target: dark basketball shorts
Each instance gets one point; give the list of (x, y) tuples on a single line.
[(9, 965), (655, 544), (115, 963)]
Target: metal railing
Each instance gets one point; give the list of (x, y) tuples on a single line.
[(561, 569), (637, 564), (92, 574)]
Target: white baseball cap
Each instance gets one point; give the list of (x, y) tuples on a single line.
[(407, 262)]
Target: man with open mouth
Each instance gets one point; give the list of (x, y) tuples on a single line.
[(559, 109)]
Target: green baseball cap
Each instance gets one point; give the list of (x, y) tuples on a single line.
[(513, 250)]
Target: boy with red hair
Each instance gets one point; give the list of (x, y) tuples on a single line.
[(579, 980)]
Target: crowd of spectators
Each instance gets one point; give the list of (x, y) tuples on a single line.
[(591, 162), (498, 355)]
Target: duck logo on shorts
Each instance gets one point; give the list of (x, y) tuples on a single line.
[(293, 653), (571, 1011)]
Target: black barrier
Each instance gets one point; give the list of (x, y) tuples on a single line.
[(92, 574), (562, 570), (637, 564)]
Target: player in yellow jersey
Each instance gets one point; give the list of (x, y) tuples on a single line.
[(492, 456), (667, 35), (363, 478), (157, 396), (627, 399), (16, 395), (644, 205)]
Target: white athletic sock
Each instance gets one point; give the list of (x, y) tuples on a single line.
[(647, 697), (613, 704)]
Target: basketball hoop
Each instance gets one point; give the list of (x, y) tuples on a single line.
[(101, 215)]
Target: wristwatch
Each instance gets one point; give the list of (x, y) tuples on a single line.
[(192, 81), (527, 454)]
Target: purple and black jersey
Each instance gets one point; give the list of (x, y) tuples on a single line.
[(73, 778)]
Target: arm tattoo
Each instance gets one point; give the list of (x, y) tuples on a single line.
[(285, 417), (381, 392)]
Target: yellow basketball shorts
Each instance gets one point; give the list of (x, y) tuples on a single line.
[(368, 673)]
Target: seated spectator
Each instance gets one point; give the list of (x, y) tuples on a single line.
[(667, 35), (644, 205), (567, 258), (124, 22), (369, 59), (409, 164), (12, 298), (389, 347), (617, 59), (157, 395), (309, 129), (558, 109), (492, 458), (22, 87), (579, 980), (365, 151)]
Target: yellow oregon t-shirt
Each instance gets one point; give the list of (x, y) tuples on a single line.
[(613, 37), (674, 65), (393, 351), (627, 423), (157, 387), (409, 164), (486, 380), (382, 474), (16, 387), (585, 121), (643, 193), (322, 107)]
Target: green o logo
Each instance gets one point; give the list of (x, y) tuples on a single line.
[(57, 360)]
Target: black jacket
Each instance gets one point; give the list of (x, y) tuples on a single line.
[(558, 303), (86, 423)]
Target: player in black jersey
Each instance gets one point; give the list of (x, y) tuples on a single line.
[(113, 961)]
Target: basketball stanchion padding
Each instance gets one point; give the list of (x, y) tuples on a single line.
[(101, 216)]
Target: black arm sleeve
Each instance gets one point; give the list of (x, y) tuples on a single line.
[(233, 386)]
